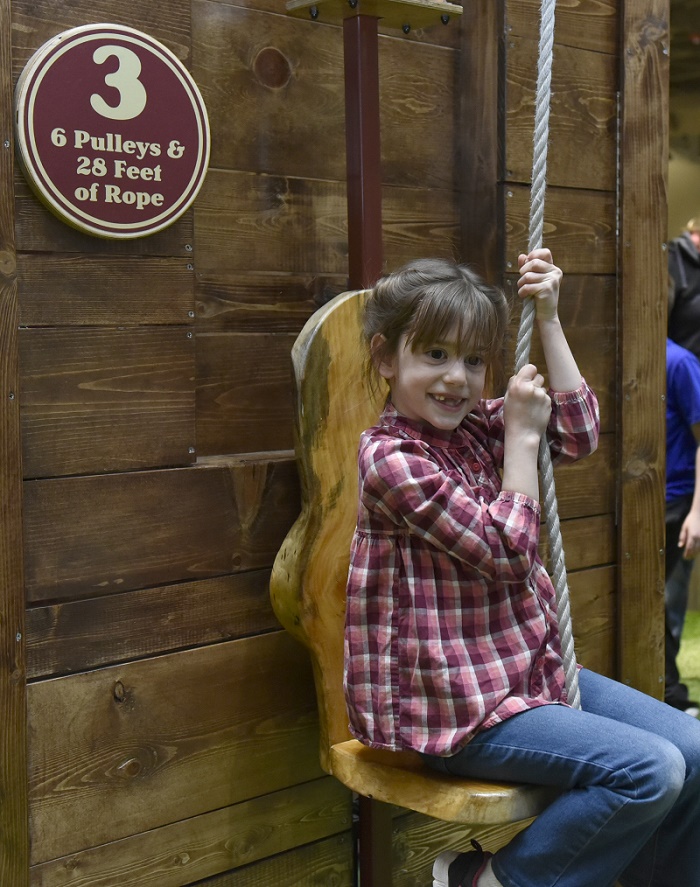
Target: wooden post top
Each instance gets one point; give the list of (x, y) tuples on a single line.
[(393, 13)]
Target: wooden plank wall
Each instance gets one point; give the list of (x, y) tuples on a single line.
[(171, 730), (171, 725)]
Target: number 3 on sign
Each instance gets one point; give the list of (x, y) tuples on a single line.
[(132, 93)]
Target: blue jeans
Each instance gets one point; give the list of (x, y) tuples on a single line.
[(629, 768)]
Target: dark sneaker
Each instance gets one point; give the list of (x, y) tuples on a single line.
[(460, 869)]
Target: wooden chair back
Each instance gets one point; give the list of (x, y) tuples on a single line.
[(334, 404)]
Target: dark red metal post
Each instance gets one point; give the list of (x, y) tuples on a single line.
[(364, 185), (363, 148)]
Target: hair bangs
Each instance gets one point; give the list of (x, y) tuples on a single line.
[(449, 309)]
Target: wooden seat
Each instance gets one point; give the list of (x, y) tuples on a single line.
[(333, 406)]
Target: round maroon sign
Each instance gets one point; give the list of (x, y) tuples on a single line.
[(112, 131)]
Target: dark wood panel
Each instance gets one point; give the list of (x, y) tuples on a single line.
[(36, 21), (587, 542), (82, 635), (14, 832), (479, 137), (321, 864), (583, 116), (589, 24), (579, 228), (58, 290), (417, 87), (39, 230), (161, 740), (185, 852), (247, 223), (594, 618), (97, 400), (91, 536), (279, 303), (643, 272), (244, 392), (588, 487), (418, 222), (268, 81)]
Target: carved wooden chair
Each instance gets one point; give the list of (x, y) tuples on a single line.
[(333, 406)]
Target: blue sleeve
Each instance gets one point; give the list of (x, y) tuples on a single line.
[(686, 384)]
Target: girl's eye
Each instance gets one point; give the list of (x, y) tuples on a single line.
[(437, 354), (474, 360)]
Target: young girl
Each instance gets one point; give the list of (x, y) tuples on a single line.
[(452, 643)]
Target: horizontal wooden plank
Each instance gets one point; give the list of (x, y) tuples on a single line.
[(262, 76), (594, 618), (271, 303), (589, 24), (417, 222), (161, 740), (36, 21), (96, 399), (81, 635), (417, 85), (587, 541), (244, 405), (91, 536), (248, 223), (321, 864), (38, 230), (588, 487), (188, 851), (61, 290), (579, 228), (582, 121)]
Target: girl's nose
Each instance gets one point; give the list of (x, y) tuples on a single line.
[(455, 372)]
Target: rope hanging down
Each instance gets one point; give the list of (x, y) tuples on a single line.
[(522, 346)]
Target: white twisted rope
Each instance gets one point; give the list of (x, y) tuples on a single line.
[(522, 347)]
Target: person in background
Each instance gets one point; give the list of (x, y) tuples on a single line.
[(682, 505), (684, 330), (684, 297)]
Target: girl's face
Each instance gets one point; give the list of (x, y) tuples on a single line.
[(439, 384)]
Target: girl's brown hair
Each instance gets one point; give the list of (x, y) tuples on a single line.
[(428, 298)]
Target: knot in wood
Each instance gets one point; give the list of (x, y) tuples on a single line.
[(8, 263), (130, 768), (272, 68), (637, 468)]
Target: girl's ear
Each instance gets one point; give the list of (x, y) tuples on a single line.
[(383, 364)]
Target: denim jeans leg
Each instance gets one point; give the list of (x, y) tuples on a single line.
[(672, 856), (619, 782)]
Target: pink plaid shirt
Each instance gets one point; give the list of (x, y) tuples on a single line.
[(451, 620)]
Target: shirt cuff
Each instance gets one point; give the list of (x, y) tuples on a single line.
[(575, 396), (520, 499)]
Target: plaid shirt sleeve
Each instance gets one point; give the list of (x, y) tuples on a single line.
[(498, 539)]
